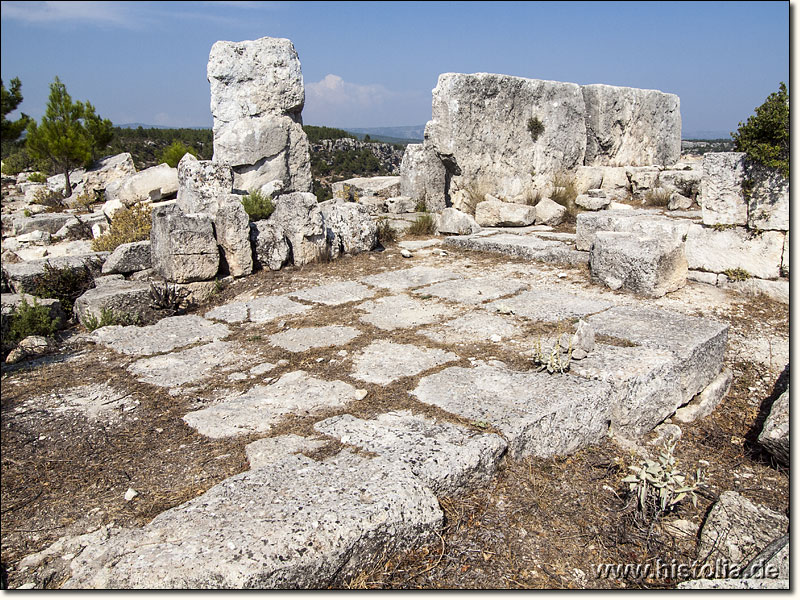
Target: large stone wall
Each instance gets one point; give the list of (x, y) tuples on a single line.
[(257, 97), (480, 131)]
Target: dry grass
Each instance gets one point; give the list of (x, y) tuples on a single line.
[(564, 192), (127, 225), (656, 197)]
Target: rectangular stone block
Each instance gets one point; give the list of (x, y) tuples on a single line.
[(758, 253), (721, 194), (182, 246), (697, 344), (640, 222), (539, 414)]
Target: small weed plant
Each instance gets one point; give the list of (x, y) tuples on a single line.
[(737, 274), (535, 128), (421, 207), (657, 197), (37, 177), (424, 225), (565, 192), (51, 199), (386, 233), (127, 225), (555, 360), (258, 205), (168, 297), (109, 317), (659, 487)]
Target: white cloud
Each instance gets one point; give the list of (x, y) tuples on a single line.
[(332, 90)]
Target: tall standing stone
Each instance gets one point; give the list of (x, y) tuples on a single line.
[(423, 177), (257, 98)]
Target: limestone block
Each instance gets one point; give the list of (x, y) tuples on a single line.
[(127, 258), (775, 434), (494, 213), (150, 185), (423, 177), (453, 221), (182, 246), (232, 229), (721, 195), (713, 250), (201, 185)]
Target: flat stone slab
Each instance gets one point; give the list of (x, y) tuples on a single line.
[(524, 246), (414, 277), (300, 340), (698, 344), (383, 362), (473, 291), (164, 336), (549, 306), (447, 457), (258, 409), (268, 451), (396, 312), (188, 366), (295, 523), (645, 382), (476, 326), (333, 294), (258, 310), (418, 244), (538, 414)]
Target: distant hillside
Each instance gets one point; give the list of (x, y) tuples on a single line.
[(410, 134), (145, 126)]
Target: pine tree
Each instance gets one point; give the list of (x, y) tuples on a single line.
[(10, 99), (765, 135), (70, 135)]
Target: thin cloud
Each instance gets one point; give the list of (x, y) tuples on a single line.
[(105, 13), (333, 90)]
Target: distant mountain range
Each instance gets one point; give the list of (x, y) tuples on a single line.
[(146, 126), (706, 134)]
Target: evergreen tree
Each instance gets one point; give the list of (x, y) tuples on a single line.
[(10, 99), (765, 135), (70, 135)]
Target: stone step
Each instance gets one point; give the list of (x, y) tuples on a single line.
[(525, 246)]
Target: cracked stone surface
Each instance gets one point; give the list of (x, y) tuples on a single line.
[(549, 305), (259, 310), (305, 523), (166, 335), (332, 294), (396, 312), (473, 291), (475, 326), (300, 340), (268, 451), (405, 279), (192, 365), (447, 457), (383, 362), (538, 414), (258, 409)]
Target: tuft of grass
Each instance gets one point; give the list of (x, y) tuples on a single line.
[(109, 317), (258, 206), (737, 274), (535, 127), (565, 192), (386, 233), (476, 192), (421, 206), (127, 225), (424, 225), (532, 197), (723, 226), (657, 197)]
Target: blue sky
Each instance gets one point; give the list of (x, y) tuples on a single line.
[(375, 63)]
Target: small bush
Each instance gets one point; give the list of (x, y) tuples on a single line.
[(30, 319), (564, 193), (64, 284), (127, 225), (321, 190), (84, 201), (532, 197), (386, 233), (535, 128), (657, 197), (170, 297), (37, 177), (476, 193), (173, 153), (737, 274), (424, 225), (258, 206), (49, 198), (421, 206)]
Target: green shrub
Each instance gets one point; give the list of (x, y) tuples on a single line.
[(564, 193), (127, 225), (321, 190), (37, 177), (765, 135), (386, 233), (30, 319), (258, 206), (49, 198), (19, 160), (421, 206), (65, 284), (424, 225), (173, 153), (535, 128)]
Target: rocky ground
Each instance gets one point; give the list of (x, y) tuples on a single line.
[(123, 424)]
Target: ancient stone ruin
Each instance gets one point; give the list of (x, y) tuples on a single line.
[(361, 401)]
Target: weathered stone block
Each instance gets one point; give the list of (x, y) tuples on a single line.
[(232, 229), (202, 185), (122, 298), (182, 246), (150, 185), (495, 213), (127, 258), (640, 222), (758, 253), (775, 434), (423, 177), (721, 195), (349, 229)]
